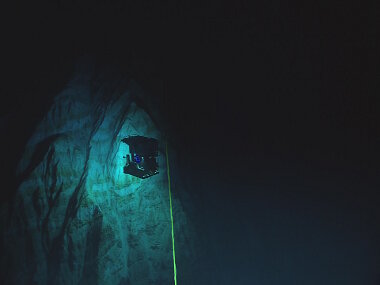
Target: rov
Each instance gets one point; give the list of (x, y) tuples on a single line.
[(141, 160)]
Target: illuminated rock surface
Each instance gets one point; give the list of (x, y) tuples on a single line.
[(77, 218)]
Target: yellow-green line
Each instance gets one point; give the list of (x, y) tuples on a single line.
[(171, 214)]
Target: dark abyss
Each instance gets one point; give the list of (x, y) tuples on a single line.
[(270, 104)]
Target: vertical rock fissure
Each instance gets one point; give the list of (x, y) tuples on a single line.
[(93, 239), (55, 252)]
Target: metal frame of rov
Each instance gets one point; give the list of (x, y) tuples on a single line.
[(141, 161)]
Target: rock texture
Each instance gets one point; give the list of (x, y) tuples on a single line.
[(76, 217)]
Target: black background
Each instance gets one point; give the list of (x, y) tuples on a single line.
[(271, 95), (294, 79)]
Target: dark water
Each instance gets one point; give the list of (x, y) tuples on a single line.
[(271, 107)]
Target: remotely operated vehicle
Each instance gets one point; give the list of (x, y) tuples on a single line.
[(142, 157)]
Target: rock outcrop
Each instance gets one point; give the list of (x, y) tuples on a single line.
[(76, 217)]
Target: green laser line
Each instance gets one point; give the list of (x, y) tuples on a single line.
[(171, 214)]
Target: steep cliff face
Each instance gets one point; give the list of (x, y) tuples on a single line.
[(76, 217)]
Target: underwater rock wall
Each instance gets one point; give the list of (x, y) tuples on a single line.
[(76, 217)]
